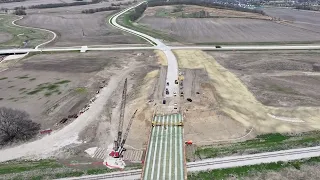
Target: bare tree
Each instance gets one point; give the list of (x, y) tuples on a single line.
[(16, 125)]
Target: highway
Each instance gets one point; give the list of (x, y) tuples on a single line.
[(227, 162), (168, 49), (250, 47)]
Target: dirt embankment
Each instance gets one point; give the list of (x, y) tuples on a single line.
[(239, 104)]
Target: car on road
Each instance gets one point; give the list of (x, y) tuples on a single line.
[(174, 94), (218, 46)]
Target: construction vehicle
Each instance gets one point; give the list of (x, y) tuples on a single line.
[(119, 143)]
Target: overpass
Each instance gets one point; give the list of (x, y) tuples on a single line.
[(165, 154)]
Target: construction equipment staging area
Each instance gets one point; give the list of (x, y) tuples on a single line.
[(165, 154)]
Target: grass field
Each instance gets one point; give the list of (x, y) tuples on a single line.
[(125, 21), (51, 169), (19, 35), (253, 171), (187, 11), (262, 143)]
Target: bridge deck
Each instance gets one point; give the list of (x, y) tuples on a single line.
[(165, 156)]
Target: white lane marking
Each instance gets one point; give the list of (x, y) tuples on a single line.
[(181, 150), (165, 150), (171, 135), (175, 149), (155, 151), (160, 151), (149, 153)]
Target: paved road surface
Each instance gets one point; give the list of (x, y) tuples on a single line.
[(165, 156), (168, 48), (172, 72)]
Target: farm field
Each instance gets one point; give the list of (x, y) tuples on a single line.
[(228, 30), (188, 10), (28, 3), (79, 29), (309, 20), (312, 17), (13, 36), (278, 78), (73, 9)]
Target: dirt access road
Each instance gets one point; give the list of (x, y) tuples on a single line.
[(80, 130)]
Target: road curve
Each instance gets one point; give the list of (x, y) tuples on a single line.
[(225, 162), (54, 34), (172, 72)]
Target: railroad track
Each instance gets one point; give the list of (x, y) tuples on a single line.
[(252, 157), (115, 175), (233, 161)]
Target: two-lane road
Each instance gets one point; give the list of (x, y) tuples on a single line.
[(172, 72)]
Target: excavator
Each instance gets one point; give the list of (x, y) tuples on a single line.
[(118, 148)]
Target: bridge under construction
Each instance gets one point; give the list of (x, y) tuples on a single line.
[(165, 154)]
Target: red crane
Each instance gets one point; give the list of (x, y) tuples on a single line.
[(118, 144)]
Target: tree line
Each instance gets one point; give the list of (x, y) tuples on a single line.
[(91, 11), (16, 125), (20, 11), (203, 3), (9, 1), (308, 7), (56, 5), (138, 11), (124, 3)]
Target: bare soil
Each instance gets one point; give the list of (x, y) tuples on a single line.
[(276, 78), (76, 29), (305, 19), (140, 68), (204, 121), (232, 99), (84, 71), (208, 30)]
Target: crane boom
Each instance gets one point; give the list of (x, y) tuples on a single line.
[(123, 105), (128, 129)]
